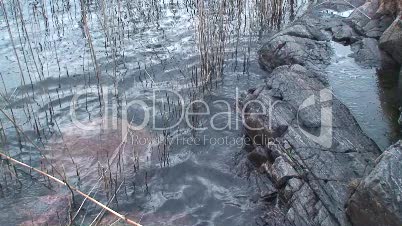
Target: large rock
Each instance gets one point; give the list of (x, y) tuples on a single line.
[(319, 148), (377, 26), (367, 53), (344, 33), (378, 198), (391, 40), (300, 43), (324, 167), (365, 13), (287, 50)]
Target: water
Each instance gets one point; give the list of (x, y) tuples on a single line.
[(148, 51), (366, 94)]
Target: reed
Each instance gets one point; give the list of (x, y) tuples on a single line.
[(62, 182)]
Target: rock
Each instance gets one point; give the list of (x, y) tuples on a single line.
[(282, 171), (292, 186), (97, 144), (323, 149), (367, 53), (258, 157), (376, 27), (363, 14), (345, 34), (378, 198), (287, 50), (391, 40), (297, 44), (400, 117), (326, 168), (47, 210)]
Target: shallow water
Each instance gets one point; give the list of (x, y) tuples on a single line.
[(366, 94), (145, 51)]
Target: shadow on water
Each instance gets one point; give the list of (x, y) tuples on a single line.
[(390, 83)]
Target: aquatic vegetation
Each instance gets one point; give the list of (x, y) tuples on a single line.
[(93, 57)]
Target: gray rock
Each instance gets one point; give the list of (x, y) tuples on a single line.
[(345, 34), (400, 117), (322, 148), (287, 49), (376, 27), (258, 157), (363, 14), (293, 185), (325, 169), (367, 53), (391, 40), (378, 198), (281, 171)]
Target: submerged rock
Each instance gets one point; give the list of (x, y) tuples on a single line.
[(99, 143), (378, 198)]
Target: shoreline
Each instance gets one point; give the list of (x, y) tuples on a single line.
[(311, 181)]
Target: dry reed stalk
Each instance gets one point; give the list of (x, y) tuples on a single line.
[(12, 41), (131, 222), (27, 37), (91, 47)]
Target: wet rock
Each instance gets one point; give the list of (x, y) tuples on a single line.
[(98, 143), (258, 157), (52, 209), (367, 53), (282, 171), (378, 198), (391, 40)]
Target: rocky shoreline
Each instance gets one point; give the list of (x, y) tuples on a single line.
[(321, 169)]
